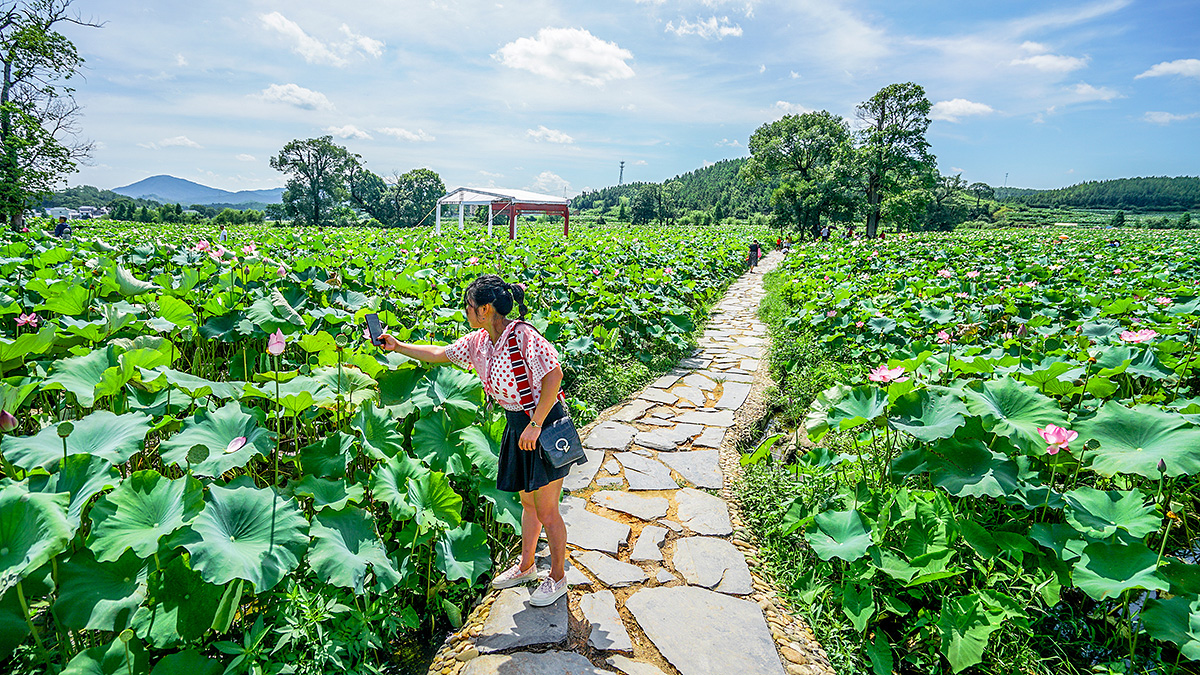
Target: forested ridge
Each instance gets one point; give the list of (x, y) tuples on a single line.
[(1155, 192)]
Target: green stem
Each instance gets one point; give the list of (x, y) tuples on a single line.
[(1191, 351), (1049, 489), (1163, 546), (29, 622)]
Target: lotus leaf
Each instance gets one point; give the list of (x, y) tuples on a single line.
[(379, 435), (1175, 620), (191, 662), (436, 503), (1100, 514), (100, 595), (1107, 570), (142, 510), (436, 441), (246, 533), (115, 438), (862, 405), (33, 529), (967, 468), (463, 553), (459, 394), (184, 608), (327, 457), (115, 658), (482, 451), (327, 494), (195, 387), (389, 484), (82, 477), (1014, 410), (927, 416), (1133, 440), (345, 548), (965, 625), (216, 431), (839, 534)]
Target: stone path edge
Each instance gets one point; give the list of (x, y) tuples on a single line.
[(799, 650)]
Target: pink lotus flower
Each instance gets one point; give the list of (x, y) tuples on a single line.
[(1140, 336), (943, 336), (831, 313), (962, 295), (202, 245), (1056, 438), (7, 421), (473, 260), (248, 249), (30, 320), (1118, 270), (669, 270), (281, 271), (276, 343), (235, 445), (884, 374), (858, 324), (1163, 301), (945, 273), (972, 274), (595, 272)]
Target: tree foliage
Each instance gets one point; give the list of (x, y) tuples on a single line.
[(892, 146), (38, 114), (317, 185)]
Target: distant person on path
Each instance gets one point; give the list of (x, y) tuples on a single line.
[(825, 233), (61, 227), (223, 236), (755, 252), (522, 468)]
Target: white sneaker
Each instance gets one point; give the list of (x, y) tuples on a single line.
[(514, 576), (548, 592)]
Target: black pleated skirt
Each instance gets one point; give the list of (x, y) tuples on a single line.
[(525, 470)]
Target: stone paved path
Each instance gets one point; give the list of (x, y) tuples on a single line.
[(660, 582)]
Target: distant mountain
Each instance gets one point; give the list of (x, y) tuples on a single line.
[(172, 190)]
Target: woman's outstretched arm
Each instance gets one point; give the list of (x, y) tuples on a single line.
[(426, 353)]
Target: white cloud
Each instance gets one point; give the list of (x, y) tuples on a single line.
[(794, 75), (762, 68), (640, 162), (173, 142), (181, 60), (791, 108), (956, 169), (1184, 67), (419, 136), (732, 143), (1086, 92), (245, 158), (1052, 63), (489, 174), (568, 54), (294, 94), (1165, 118), (957, 108), (550, 183), (348, 131), (548, 135), (314, 50), (709, 28)]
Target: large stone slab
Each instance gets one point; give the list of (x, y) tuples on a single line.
[(591, 531), (712, 563), (648, 542), (665, 381), (646, 508), (699, 381), (693, 363), (630, 667), (702, 513), (526, 663), (693, 394), (581, 475), (612, 466), (733, 395), (700, 467), (513, 622), (701, 632), (644, 473), (721, 418), (752, 352), (711, 438), (658, 396), (668, 438), (632, 411), (608, 631), (610, 571), (610, 436)]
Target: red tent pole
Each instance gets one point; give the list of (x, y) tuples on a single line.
[(566, 222), (512, 224)]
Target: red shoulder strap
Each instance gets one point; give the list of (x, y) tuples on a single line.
[(521, 370)]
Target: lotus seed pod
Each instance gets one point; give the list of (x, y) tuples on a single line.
[(126, 635), (65, 429), (341, 340), (197, 454)]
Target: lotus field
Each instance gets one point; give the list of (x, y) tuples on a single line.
[(207, 466), (1018, 462)]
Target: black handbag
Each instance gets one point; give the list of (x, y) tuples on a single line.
[(560, 443)]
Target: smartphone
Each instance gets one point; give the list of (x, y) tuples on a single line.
[(374, 329)]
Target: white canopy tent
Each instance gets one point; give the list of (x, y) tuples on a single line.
[(503, 201)]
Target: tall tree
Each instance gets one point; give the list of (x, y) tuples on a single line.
[(801, 153), (317, 185), (38, 113), (644, 206), (892, 142), (415, 195)]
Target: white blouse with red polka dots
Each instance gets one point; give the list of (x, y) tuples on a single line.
[(493, 365)]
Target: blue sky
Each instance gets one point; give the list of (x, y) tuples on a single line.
[(550, 96)]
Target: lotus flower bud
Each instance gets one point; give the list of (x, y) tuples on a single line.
[(1162, 466), (7, 421)]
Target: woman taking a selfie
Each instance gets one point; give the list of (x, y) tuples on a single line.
[(497, 351)]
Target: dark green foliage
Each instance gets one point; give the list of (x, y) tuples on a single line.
[(1158, 192)]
